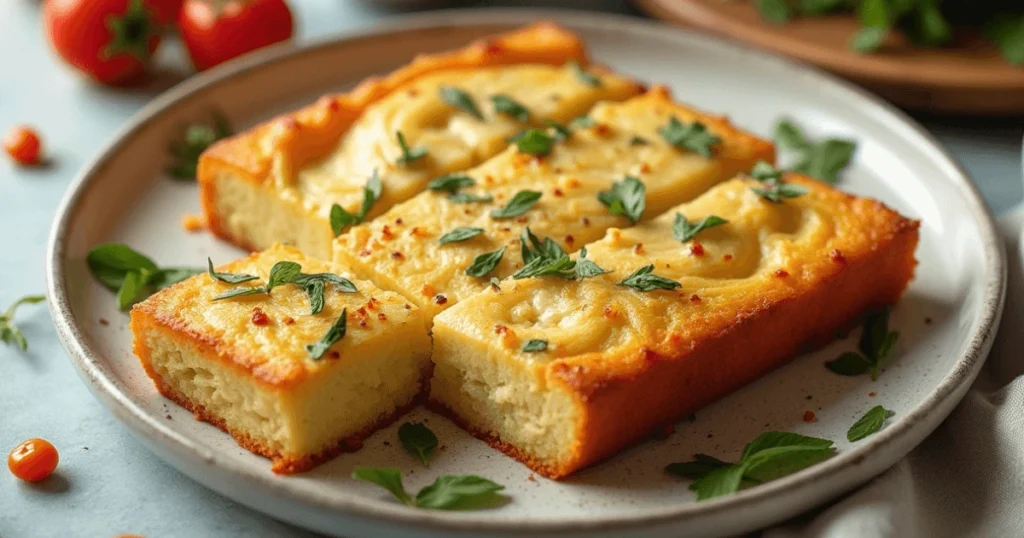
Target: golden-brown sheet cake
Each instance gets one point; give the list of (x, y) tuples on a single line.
[(617, 362)]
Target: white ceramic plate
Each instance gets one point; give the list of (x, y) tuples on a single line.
[(123, 196)]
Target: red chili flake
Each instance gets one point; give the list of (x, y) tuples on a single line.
[(362, 323), (331, 103), (506, 229), (837, 256), (558, 192), (417, 232), (104, 322), (489, 179), (727, 258), (385, 232), (288, 320), (645, 168), (382, 316), (641, 88), (696, 248), (695, 298), (521, 219), (872, 394), (609, 312), (492, 48), (602, 129), (638, 248), (334, 355), (782, 273), (809, 417), (259, 318), (569, 239), (397, 255), (440, 299), (398, 221), (361, 312), (373, 303), (365, 252)]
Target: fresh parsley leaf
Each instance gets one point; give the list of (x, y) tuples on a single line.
[(518, 205), (459, 234), (849, 364), (563, 266), (581, 122), (504, 104), (334, 333), (776, 192), (408, 155), (775, 439), (684, 230), (388, 478), (586, 268), (627, 197), (547, 249), (230, 278), (774, 11), (535, 142), (240, 292), (467, 198), (691, 136), (765, 172), (418, 440), (451, 183), (643, 279), (448, 492), (876, 343), (780, 461), (195, 140), (638, 141), (534, 346), (789, 136), (132, 275), (283, 272), (1007, 32), (9, 333), (869, 424), (587, 78), (461, 100), (826, 159), (341, 219), (485, 263), (719, 482)]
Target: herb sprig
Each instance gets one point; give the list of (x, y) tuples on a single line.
[(11, 334), (823, 160), (644, 279), (133, 275), (418, 440), (627, 198), (520, 203), (448, 492), (684, 230), (869, 424), (876, 343), (773, 189), (334, 333), (504, 104), (694, 136), (535, 141), (341, 219), (461, 100), (485, 263), (409, 155), (461, 233), (548, 258), (282, 273)]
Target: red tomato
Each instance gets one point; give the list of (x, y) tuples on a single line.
[(166, 10), (111, 41), (215, 31), (22, 144), (33, 460)]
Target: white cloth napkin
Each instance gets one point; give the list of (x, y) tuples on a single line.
[(967, 478)]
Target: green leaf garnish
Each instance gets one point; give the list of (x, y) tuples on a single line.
[(468, 198), (774, 11), (195, 140), (408, 155), (849, 364), (504, 104), (876, 343), (583, 76), (691, 136), (240, 292), (9, 333), (459, 234), (586, 268), (763, 172), (461, 100), (1007, 32), (627, 197), (230, 278), (534, 141), (418, 440), (644, 279), (684, 230), (776, 192), (315, 284), (334, 333), (341, 219), (283, 272), (485, 263), (132, 275), (869, 424), (451, 183), (563, 266), (388, 478), (561, 132), (448, 492), (532, 248), (638, 141), (701, 465), (823, 160), (534, 346), (518, 205)]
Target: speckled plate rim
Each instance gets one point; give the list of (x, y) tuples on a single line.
[(894, 441)]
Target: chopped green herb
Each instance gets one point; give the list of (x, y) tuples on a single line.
[(627, 197), (776, 192), (586, 268), (418, 440), (638, 141), (196, 139), (644, 279), (451, 183), (876, 343), (9, 333), (691, 136), (131, 274), (506, 105), (240, 292), (461, 100), (341, 219), (535, 142), (518, 205), (485, 263), (764, 172), (408, 155), (869, 424), (563, 266), (583, 76), (459, 234), (334, 333), (684, 230), (448, 492), (230, 278), (283, 272), (534, 346), (823, 160), (468, 198), (561, 132)]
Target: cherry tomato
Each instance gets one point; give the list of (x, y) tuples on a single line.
[(216, 31), (33, 460), (111, 41), (22, 144)]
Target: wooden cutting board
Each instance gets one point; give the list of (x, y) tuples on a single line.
[(967, 77)]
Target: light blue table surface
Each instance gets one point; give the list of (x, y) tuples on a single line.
[(108, 482)]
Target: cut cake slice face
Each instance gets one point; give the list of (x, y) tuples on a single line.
[(620, 363)]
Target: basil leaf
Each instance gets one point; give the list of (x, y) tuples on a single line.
[(111, 263), (849, 364), (230, 278), (719, 482), (700, 467), (777, 192), (461, 100), (459, 234), (586, 268), (334, 333), (467, 198), (1007, 32), (240, 292), (583, 76), (9, 334), (283, 272), (776, 439), (562, 266), (518, 205), (342, 283), (692, 136), (315, 291), (774, 11), (341, 219), (789, 136), (765, 172), (825, 160), (643, 279), (131, 290), (684, 230), (547, 249), (485, 263), (504, 104), (638, 141), (535, 142), (164, 278), (869, 424), (458, 492), (875, 13), (408, 155), (451, 183), (418, 440), (627, 197), (777, 462), (533, 346), (387, 478)]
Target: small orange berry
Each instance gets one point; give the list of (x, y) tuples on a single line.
[(22, 144), (33, 460)]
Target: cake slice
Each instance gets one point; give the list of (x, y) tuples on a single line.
[(278, 181), (617, 362), (402, 249), (295, 387)]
